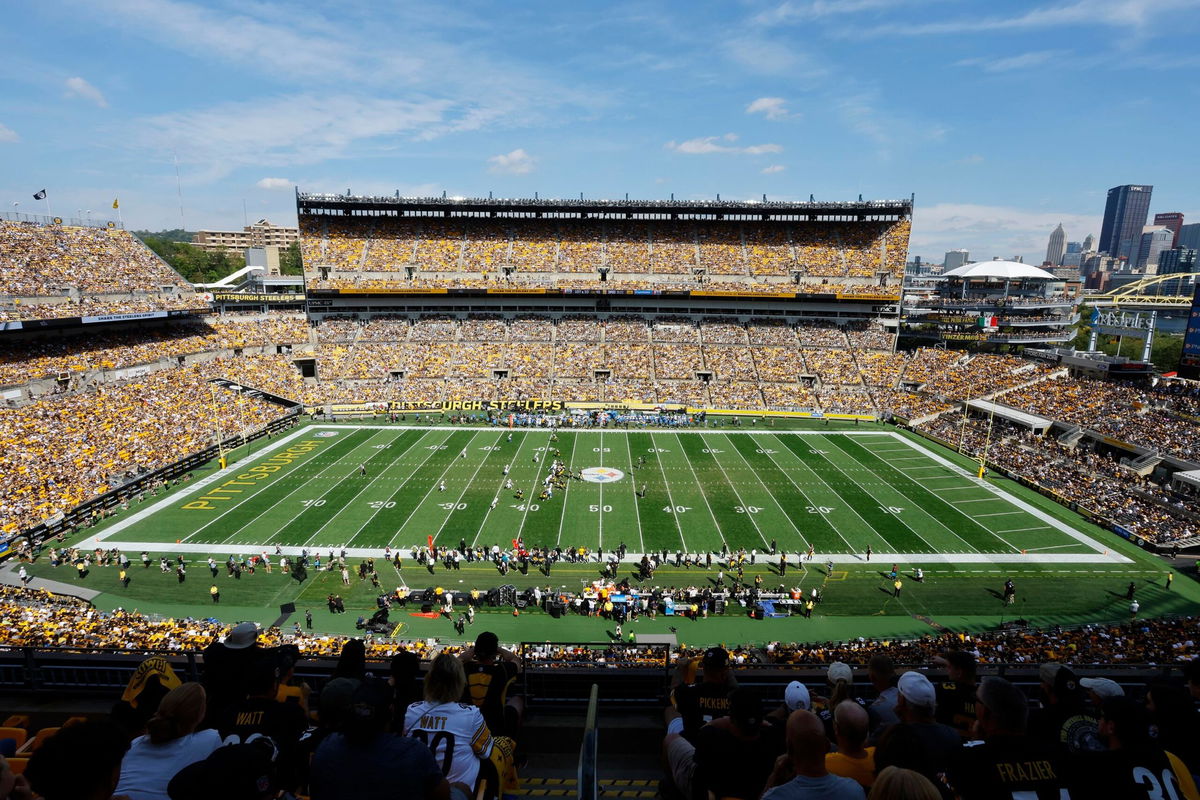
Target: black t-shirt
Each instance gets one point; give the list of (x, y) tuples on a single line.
[(1005, 767), (1068, 727), (731, 766), (699, 703), (1132, 774), (488, 686), (956, 705)]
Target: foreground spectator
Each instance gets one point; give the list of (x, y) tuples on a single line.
[(1006, 763), (363, 761), (454, 731), (170, 744), (735, 754), (234, 772), (227, 667), (491, 672), (79, 762), (801, 774), (852, 760), (897, 783)]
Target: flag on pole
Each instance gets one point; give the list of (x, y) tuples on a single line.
[(40, 195), (115, 203)]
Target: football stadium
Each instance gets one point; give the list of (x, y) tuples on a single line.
[(490, 492)]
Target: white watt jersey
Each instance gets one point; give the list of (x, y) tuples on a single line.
[(455, 732)]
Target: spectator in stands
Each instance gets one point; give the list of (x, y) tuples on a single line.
[(897, 783), (1063, 719), (882, 672), (956, 696), (693, 704), (234, 772), (934, 743), (735, 754), (226, 667), (491, 673), (454, 731), (170, 744), (260, 713), (405, 667), (1174, 723), (1007, 761), (364, 761), (852, 760), (353, 661), (79, 762), (12, 786), (801, 773), (1134, 765)]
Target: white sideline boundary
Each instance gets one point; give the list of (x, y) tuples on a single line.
[(1100, 554)]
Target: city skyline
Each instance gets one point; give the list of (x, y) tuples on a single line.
[(788, 98)]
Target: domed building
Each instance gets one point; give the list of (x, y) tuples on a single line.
[(994, 303)]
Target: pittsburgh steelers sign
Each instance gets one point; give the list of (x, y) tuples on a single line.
[(602, 475)]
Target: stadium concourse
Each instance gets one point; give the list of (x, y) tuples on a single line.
[(748, 350)]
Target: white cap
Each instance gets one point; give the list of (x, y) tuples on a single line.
[(1104, 687), (795, 697), (839, 671), (917, 690)]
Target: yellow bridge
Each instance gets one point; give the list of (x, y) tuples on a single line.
[(1147, 293)]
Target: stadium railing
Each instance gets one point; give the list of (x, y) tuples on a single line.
[(74, 222), (644, 669), (587, 779)]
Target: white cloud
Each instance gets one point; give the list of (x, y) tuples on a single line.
[(974, 158), (720, 144), (788, 12), (275, 183), (1010, 63), (291, 129), (518, 162), (992, 230), (1131, 16), (773, 169), (8, 135), (78, 87), (769, 107)]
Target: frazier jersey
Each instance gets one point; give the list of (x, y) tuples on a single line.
[(457, 735)]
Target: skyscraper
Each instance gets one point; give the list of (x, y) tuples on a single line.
[(955, 259), (1089, 243), (1154, 240), (1179, 259), (1172, 220), (1124, 217), (1189, 236), (1057, 246)]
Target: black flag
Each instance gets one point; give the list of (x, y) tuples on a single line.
[(40, 195)]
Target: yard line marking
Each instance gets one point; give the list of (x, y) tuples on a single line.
[(633, 486), (600, 545), (737, 493), (774, 499), (700, 486), (382, 473), (500, 489), (671, 499), (434, 485), (994, 514), (803, 494), (1038, 528), (975, 500), (1055, 547), (466, 488), (279, 528), (563, 514)]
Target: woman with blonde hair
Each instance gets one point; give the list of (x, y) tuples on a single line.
[(170, 744), (897, 783), (453, 730)]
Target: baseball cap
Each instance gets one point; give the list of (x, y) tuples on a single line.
[(233, 772), (243, 635), (1065, 682), (1104, 687), (336, 699), (796, 696), (961, 659), (716, 657), (840, 671), (1048, 671), (917, 690), (487, 644), (745, 707)]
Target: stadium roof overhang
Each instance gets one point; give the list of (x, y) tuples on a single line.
[(602, 209), (1191, 478), (1015, 416)]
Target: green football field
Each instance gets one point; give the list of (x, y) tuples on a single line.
[(364, 487)]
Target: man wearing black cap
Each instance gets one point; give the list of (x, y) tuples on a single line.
[(693, 704), (226, 667), (491, 673), (1063, 719), (1134, 765), (735, 754), (261, 713)]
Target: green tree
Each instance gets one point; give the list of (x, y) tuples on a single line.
[(289, 260)]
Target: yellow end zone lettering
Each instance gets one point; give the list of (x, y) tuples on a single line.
[(199, 504)]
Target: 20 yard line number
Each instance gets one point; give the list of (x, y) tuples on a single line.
[(809, 509)]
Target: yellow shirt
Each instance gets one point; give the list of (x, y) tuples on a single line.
[(860, 770)]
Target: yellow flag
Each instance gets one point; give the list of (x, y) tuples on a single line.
[(115, 203)]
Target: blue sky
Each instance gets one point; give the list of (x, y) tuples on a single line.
[(1002, 118)]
